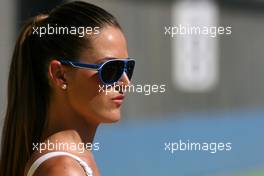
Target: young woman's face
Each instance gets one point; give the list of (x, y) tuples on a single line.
[(83, 91)]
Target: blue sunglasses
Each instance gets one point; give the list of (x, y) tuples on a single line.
[(110, 71)]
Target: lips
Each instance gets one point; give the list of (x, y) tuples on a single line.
[(120, 97), (118, 100)]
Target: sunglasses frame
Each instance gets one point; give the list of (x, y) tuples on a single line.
[(98, 67)]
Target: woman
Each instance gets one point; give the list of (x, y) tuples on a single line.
[(56, 90)]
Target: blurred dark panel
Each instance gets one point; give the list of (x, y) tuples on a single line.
[(243, 4), (29, 8)]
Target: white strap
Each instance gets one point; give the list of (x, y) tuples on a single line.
[(47, 156)]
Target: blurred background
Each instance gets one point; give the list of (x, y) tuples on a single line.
[(214, 86)]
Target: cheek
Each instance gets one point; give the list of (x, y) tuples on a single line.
[(86, 100)]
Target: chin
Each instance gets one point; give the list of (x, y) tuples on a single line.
[(111, 118), (112, 121)]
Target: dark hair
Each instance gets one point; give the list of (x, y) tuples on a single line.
[(28, 87)]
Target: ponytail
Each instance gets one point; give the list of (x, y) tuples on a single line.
[(26, 108)]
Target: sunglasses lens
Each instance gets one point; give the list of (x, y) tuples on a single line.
[(130, 68), (112, 71)]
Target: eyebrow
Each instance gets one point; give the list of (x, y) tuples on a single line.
[(100, 61)]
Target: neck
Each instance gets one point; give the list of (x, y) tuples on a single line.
[(61, 119)]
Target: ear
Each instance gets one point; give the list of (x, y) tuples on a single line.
[(57, 73)]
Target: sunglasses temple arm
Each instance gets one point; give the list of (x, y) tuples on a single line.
[(81, 65)]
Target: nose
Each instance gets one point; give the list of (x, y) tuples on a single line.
[(124, 80)]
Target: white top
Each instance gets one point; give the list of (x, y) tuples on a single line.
[(47, 156)]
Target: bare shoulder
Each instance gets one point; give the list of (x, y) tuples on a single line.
[(61, 165)]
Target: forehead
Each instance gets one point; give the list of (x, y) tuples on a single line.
[(110, 43)]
